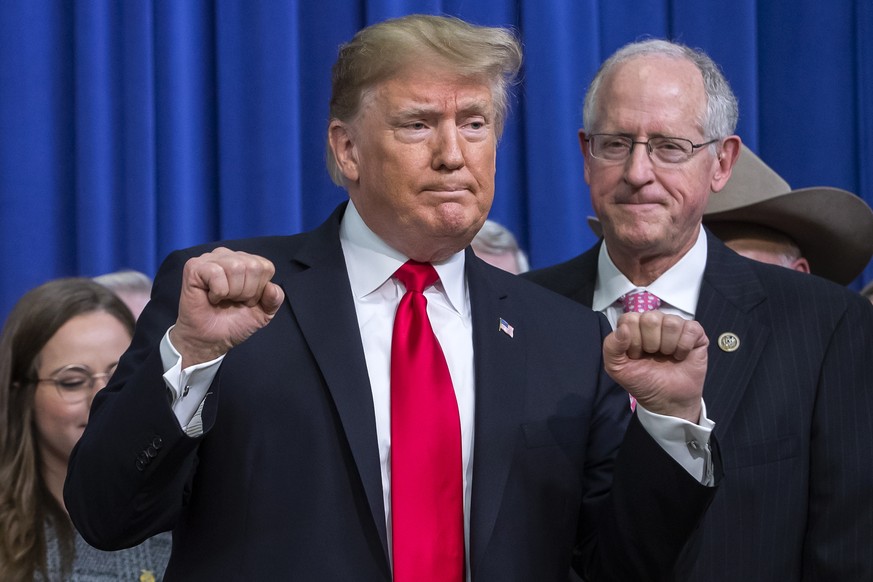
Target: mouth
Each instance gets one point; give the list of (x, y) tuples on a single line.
[(447, 189), (639, 207), (641, 202)]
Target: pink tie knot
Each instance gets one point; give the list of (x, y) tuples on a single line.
[(416, 276), (640, 301)]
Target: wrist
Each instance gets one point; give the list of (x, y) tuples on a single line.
[(193, 350)]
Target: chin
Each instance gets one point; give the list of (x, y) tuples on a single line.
[(457, 219)]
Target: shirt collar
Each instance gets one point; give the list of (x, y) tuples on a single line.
[(370, 262), (679, 286)]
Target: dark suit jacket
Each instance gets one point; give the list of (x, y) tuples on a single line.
[(793, 408), (285, 483)]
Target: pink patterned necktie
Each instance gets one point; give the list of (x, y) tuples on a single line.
[(638, 302), (427, 497)]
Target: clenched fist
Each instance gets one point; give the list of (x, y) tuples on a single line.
[(226, 297), (660, 360)]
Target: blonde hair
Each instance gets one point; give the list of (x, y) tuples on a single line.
[(378, 52)]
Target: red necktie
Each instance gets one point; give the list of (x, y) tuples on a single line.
[(638, 302), (427, 507)]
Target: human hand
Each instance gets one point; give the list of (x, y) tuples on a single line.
[(226, 297), (660, 360)]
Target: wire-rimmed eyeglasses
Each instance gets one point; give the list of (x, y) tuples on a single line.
[(663, 151), (76, 382)]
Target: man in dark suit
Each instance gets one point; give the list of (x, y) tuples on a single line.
[(277, 455), (789, 383)]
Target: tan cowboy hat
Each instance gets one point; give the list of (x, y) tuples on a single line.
[(832, 227)]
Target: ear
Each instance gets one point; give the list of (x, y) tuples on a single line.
[(728, 155), (586, 149), (342, 144), (801, 265)]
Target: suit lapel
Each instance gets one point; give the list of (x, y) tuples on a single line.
[(500, 381), (318, 292), (728, 296), (586, 263)]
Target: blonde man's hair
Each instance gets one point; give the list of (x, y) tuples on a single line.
[(380, 51)]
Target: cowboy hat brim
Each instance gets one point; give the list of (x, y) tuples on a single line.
[(832, 227)]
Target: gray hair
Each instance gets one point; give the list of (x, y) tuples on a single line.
[(126, 280), (720, 117), (378, 52), (782, 248), (496, 239)]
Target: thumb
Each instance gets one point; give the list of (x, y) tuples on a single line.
[(616, 344), (272, 298)]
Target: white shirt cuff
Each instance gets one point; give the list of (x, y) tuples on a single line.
[(189, 387), (686, 442)]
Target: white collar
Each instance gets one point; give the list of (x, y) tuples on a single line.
[(679, 286), (370, 262)]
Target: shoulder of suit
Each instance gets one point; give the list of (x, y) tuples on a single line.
[(262, 245), (780, 281), (569, 275), (541, 298)]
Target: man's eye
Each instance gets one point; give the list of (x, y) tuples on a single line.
[(416, 125), (615, 144), (669, 146)]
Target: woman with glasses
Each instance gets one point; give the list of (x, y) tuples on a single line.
[(59, 346)]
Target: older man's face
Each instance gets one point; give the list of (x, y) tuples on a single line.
[(420, 160), (651, 212)]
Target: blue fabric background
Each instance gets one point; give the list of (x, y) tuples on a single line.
[(131, 128)]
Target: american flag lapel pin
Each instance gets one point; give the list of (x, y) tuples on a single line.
[(506, 328)]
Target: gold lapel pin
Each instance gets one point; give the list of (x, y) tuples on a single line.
[(728, 342)]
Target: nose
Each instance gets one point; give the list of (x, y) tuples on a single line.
[(448, 150), (638, 166), (100, 381)]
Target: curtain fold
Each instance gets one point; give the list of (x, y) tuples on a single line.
[(133, 128)]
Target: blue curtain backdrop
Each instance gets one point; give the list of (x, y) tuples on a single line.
[(134, 127)]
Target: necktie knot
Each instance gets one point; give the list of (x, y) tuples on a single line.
[(640, 301), (416, 276)]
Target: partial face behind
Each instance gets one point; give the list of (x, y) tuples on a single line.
[(95, 340), (647, 211), (766, 251), (506, 261), (135, 301), (419, 160)]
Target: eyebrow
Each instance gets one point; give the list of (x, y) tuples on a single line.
[(478, 107)]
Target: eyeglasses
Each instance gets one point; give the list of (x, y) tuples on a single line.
[(663, 151), (75, 383)]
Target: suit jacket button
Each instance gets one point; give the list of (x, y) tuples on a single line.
[(157, 442), (139, 465)]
